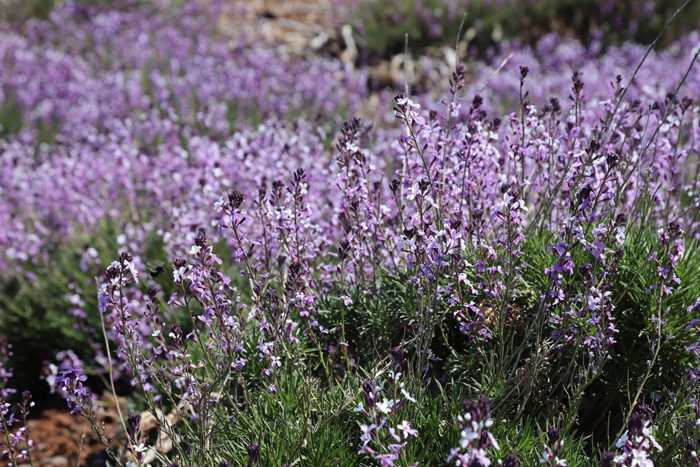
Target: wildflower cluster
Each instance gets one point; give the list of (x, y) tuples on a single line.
[(16, 438), (552, 449), (385, 434), (475, 437), (17, 442), (522, 251), (637, 444)]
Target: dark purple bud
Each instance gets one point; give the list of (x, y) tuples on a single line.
[(225, 464), (235, 198), (674, 230), (619, 253), (299, 175), (253, 455), (484, 439), (112, 272), (179, 263), (556, 106), (394, 185), (593, 146), (350, 128), (398, 355), (176, 332), (369, 388), (476, 103), (133, 427), (636, 423), (514, 194), (484, 411), (578, 84), (511, 461), (344, 248), (125, 257), (523, 72), (586, 270), (686, 102), (553, 435), (645, 410), (470, 408), (459, 74), (201, 239), (26, 403), (584, 194), (607, 459)]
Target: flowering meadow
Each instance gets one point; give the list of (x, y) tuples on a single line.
[(498, 266)]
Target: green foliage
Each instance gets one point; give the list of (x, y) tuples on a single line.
[(10, 116), (311, 420), (18, 10), (375, 323), (36, 303), (381, 319), (382, 26), (11, 121), (306, 421)]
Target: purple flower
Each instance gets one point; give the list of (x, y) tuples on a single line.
[(475, 436)]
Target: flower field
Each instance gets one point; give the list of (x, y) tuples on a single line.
[(276, 258)]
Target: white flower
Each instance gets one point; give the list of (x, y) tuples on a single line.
[(385, 406), (179, 273), (219, 205), (140, 448), (134, 272), (407, 395), (622, 441), (405, 427)]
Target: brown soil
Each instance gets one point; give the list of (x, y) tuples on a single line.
[(62, 439)]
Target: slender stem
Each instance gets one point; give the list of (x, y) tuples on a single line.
[(108, 352)]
